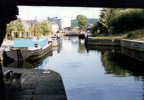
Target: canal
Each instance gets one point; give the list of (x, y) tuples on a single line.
[(98, 74), (95, 74)]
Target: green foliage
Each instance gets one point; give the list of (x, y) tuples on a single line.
[(46, 27), (37, 29), (82, 21), (10, 27), (19, 25), (128, 20), (98, 28), (119, 21), (43, 28), (16, 25), (136, 34)]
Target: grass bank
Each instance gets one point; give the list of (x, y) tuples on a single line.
[(134, 35)]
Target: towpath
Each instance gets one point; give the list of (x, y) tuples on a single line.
[(35, 85)]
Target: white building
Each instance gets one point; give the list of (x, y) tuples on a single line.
[(56, 24), (55, 27)]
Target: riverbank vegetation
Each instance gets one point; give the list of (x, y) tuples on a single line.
[(127, 23), (34, 27), (82, 21)]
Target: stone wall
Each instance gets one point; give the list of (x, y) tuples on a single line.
[(103, 42), (130, 44), (131, 48)]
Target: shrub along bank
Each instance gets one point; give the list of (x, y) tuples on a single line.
[(127, 23)]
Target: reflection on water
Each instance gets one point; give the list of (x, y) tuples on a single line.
[(81, 47), (118, 64), (97, 74), (105, 73)]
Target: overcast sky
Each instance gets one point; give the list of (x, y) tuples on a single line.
[(65, 13)]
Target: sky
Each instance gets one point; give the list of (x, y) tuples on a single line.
[(65, 13)]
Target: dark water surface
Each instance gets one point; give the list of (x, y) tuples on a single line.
[(99, 74)]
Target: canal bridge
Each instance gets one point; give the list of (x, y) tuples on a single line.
[(9, 10)]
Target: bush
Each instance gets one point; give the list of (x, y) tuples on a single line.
[(98, 28), (127, 20), (119, 21), (135, 34)]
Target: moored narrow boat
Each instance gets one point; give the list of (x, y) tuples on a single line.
[(25, 49)]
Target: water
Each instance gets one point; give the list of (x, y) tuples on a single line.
[(99, 74)]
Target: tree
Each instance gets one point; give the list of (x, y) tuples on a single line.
[(36, 29), (10, 28), (19, 25), (46, 27), (106, 16), (82, 21), (16, 25)]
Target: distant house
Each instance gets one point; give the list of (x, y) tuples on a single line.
[(55, 27), (56, 23), (26, 33)]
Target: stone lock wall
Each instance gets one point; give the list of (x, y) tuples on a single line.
[(132, 48), (130, 44)]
